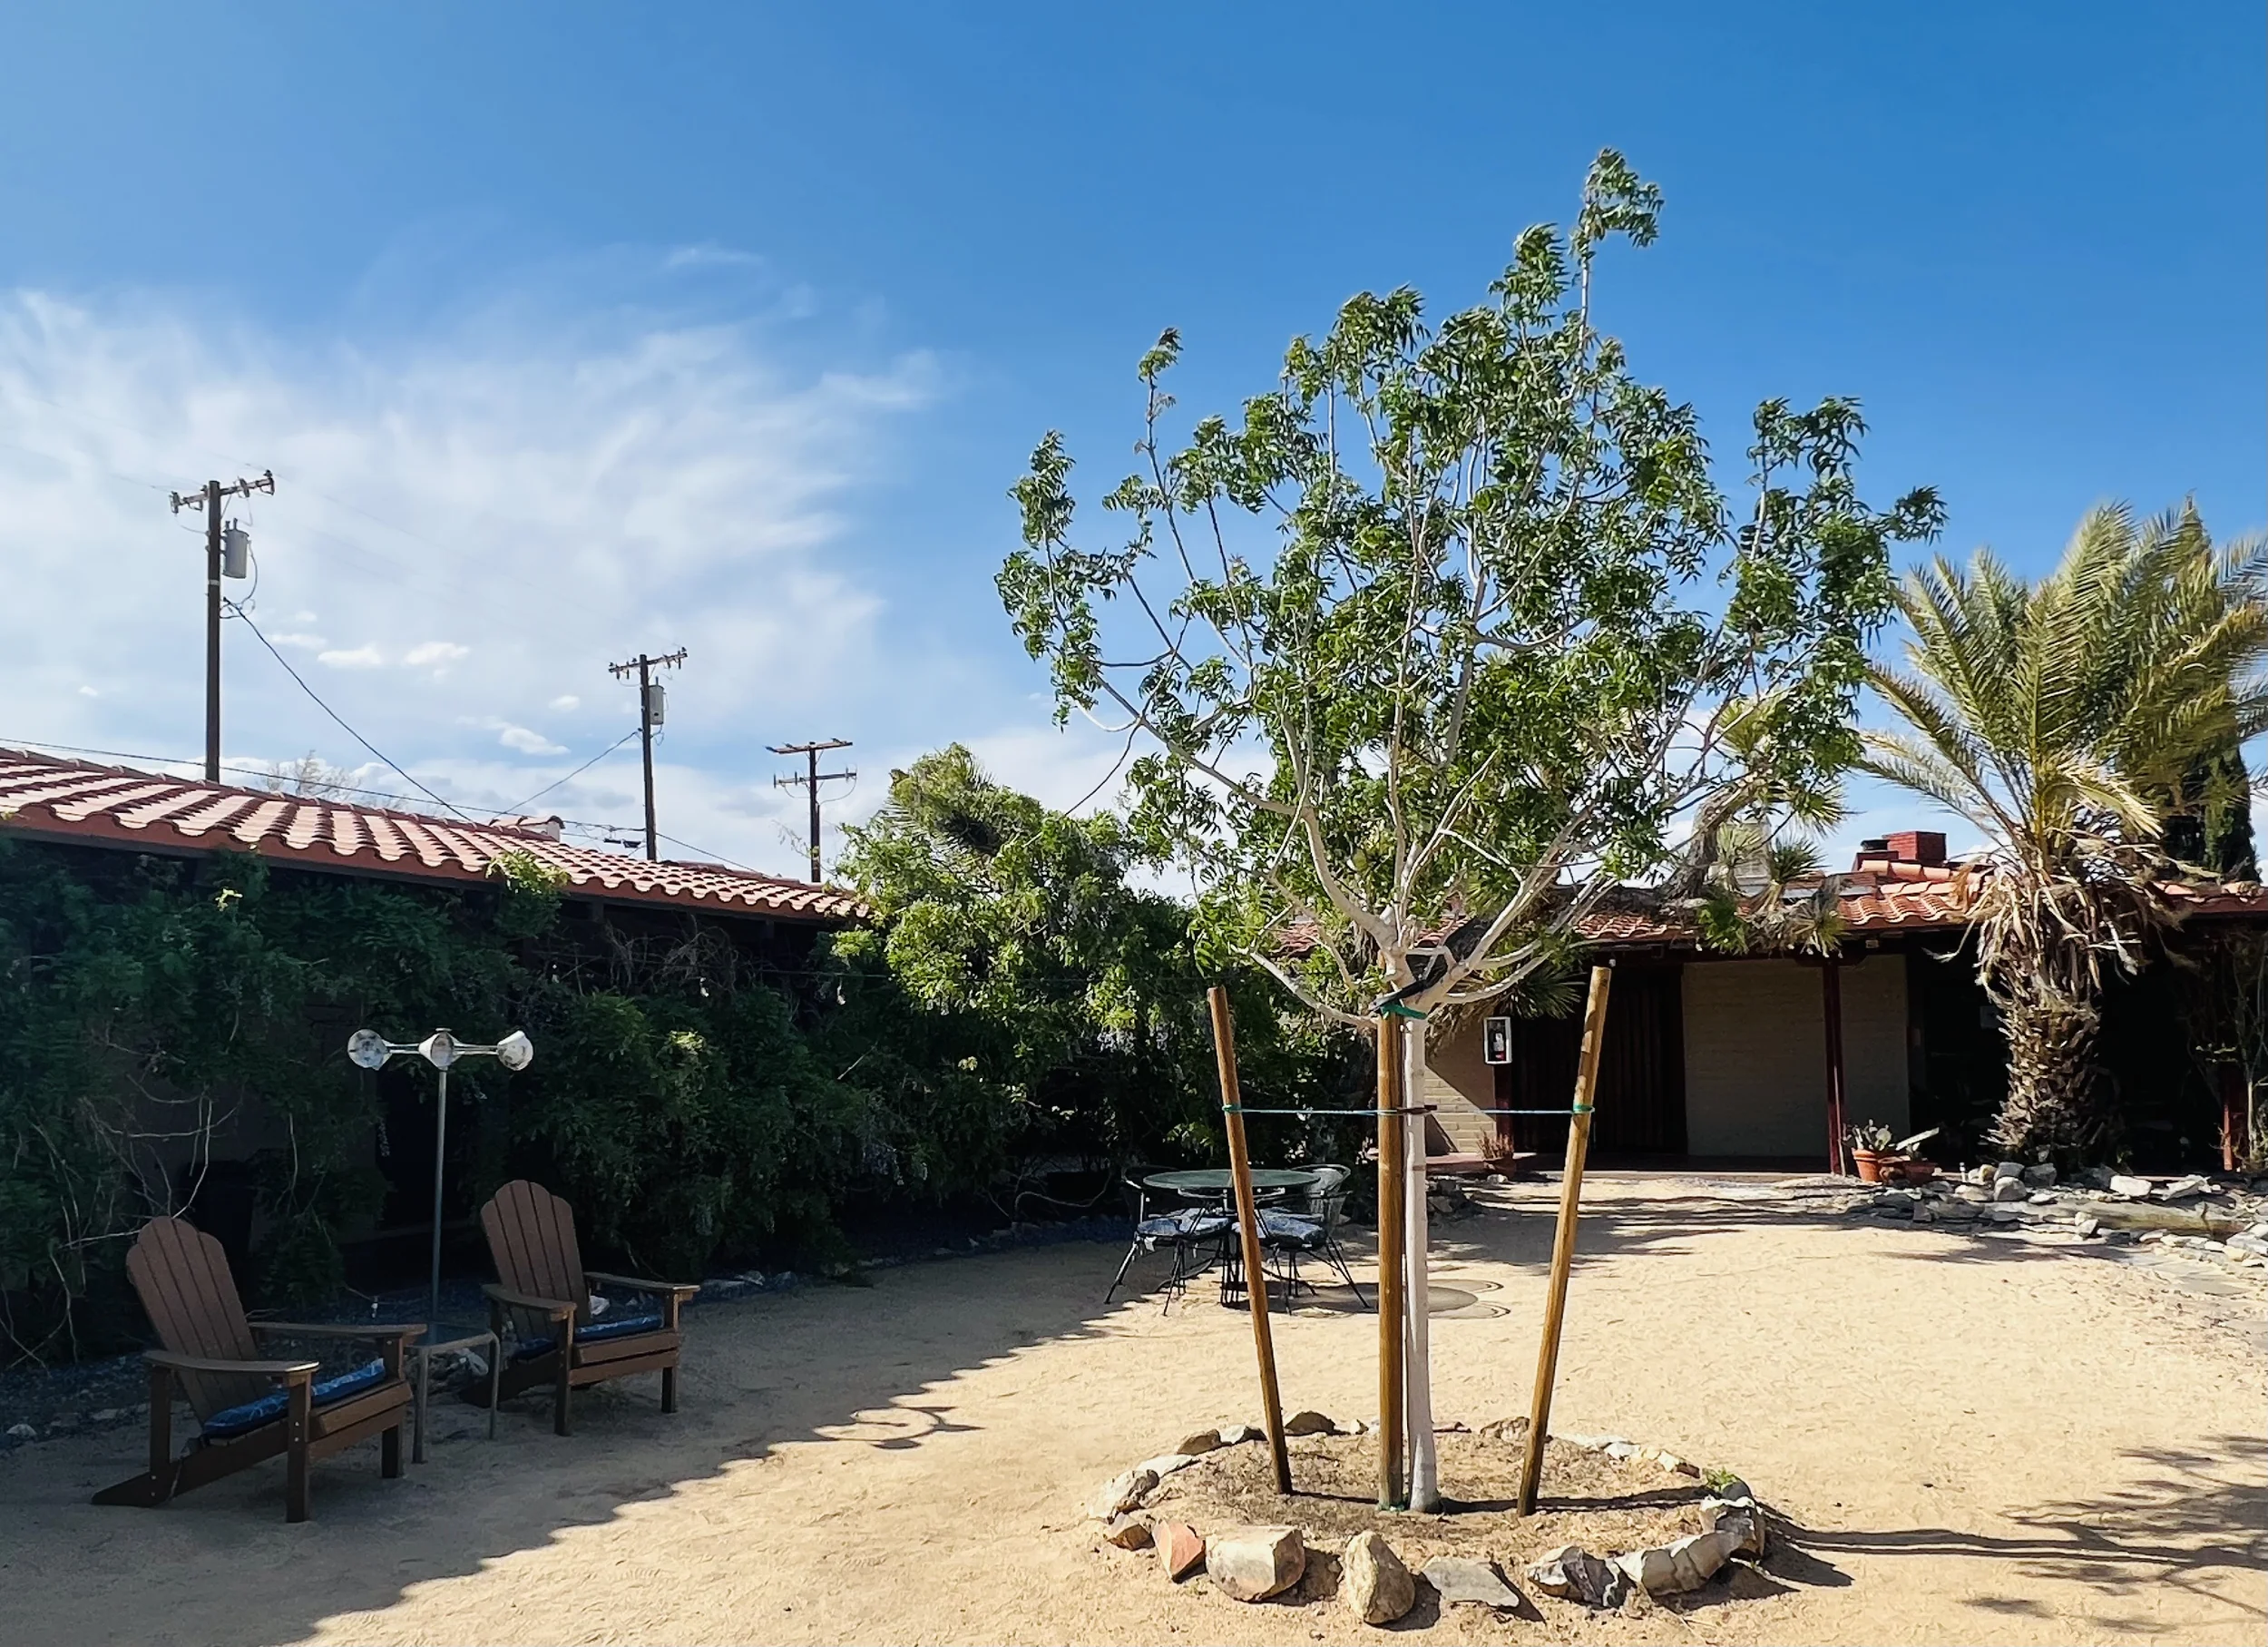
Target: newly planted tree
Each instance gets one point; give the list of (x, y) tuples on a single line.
[(1453, 629), (2066, 720)]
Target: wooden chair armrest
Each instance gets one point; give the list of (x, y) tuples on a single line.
[(289, 1372), (683, 1290), (380, 1330), (557, 1308)]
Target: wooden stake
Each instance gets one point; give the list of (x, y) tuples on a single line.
[(1248, 1226), (1393, 1492), (1563, 1241)]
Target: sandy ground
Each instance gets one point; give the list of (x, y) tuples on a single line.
[(1973, 1440)]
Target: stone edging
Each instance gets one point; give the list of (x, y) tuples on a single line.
[(1253, 1564)]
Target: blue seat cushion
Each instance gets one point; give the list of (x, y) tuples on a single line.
[(619, 1326), (1190, 1223), (1289, 1229), (251, 1414)]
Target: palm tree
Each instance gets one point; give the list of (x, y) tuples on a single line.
[(2064, 720)]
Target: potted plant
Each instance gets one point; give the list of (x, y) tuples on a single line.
[(1870, 1148), (1902, 1165), (1879, 1160)]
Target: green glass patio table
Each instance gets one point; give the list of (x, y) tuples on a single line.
[(1200, 1183)]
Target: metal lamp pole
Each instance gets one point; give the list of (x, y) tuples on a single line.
[(441, 1049)]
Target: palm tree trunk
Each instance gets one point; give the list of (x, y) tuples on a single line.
[(2055, 1098)]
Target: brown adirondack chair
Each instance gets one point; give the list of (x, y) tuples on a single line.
[(541, 1309), (247, 1410)]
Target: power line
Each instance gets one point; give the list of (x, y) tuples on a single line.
[(578, 772), (383, 757)]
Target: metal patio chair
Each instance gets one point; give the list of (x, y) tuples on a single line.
[(1180, 1230)]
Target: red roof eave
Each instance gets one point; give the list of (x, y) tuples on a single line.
[(45, 799)]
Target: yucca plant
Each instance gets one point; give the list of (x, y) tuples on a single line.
[(2064, 719)]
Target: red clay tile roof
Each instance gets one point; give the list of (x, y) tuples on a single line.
[(56, 800), (1892, 897), (1896, 896), (1882, 897)]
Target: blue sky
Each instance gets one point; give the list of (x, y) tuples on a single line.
[(571, 330)]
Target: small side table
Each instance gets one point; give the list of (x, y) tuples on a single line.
[(447, 1340)]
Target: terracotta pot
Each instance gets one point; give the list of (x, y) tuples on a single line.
[(1870, 1165), (1911, 1171)]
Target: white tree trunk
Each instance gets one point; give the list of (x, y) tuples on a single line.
[(1418, 1376)]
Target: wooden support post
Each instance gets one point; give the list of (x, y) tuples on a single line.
[(1563, 1241), (1248, 1228), (1394, 1492), (1830, 1001)]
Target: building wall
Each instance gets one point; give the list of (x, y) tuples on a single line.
[(1463, 1085), (1756, 1060)]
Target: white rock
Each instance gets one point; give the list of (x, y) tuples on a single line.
[(2184, 1189), (2007, 1169), (2249, 1243), (1252, 1564), (1122, 1492), (1202, 1441), (21, 1432), (1973, 1193), (1373, 1582), (1460, 1581), (2133, 1189), (1897, 1197), (1620, 1450), (2086, 1225), (1165, 1464), (2009, 1188), (1236, 1434), (2042, 1198), (1683, 1564)]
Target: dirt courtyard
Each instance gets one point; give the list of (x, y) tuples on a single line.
[(1972, 1439)]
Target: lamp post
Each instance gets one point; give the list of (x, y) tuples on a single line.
[(441, 1049)]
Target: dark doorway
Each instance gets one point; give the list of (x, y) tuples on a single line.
[(1641, 1098)]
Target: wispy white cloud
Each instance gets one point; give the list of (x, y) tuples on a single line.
[(529, 741), (360, 657), (566, 700), (707, 256), (434, 652)]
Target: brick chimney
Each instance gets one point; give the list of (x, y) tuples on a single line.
[(1917, 846), (1925, 847)]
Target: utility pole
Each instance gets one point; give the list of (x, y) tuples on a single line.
[(811, 778), (649, 718), (212, 495)]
